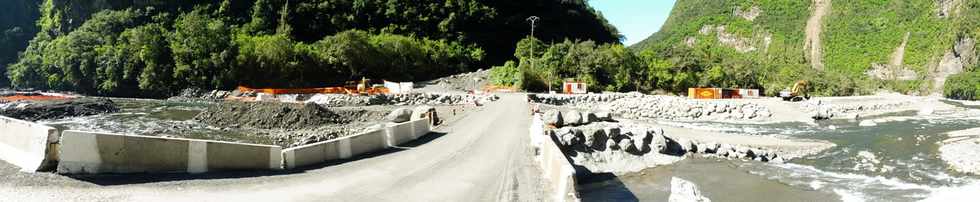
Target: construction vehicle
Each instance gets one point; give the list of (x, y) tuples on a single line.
[(799, 92)]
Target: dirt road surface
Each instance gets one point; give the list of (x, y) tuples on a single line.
[(484, 156)]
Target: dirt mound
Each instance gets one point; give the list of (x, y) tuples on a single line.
[(40, 110), (269, 115)]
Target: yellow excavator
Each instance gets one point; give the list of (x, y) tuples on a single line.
[(799, 92)]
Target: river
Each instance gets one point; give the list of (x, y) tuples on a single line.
[(893, 161)]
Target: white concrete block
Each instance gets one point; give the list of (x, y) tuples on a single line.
[(26, 144)]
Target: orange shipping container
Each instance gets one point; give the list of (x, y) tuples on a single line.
[(704, 93)]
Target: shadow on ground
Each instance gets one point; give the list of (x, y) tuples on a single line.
[(603, 187), (127, 179)]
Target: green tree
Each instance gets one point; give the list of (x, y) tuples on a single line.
[(202, 50)]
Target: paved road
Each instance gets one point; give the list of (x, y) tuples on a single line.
[(484, 156)]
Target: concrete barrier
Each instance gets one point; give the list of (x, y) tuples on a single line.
[(365, 143), (350, 146), (28, 145), (421, 128), (557, 170), (93, 153), (311, 154)]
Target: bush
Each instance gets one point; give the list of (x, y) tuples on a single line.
[(506, 75), (963, 86)]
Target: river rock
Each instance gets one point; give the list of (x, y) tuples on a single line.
[(685, 191)]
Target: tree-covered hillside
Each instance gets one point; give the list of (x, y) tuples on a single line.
[(861, 46), (154, 48)]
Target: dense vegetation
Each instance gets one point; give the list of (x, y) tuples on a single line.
[(155, 48), (965, 86), (856, 34), (609, 67)]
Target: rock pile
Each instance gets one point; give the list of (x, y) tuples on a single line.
[(401, 99), (819, 109), (269, 115), (674, 108), (190, 94), (635, 105), (643, 141), (560, 119), (589, 99), (462, 82)]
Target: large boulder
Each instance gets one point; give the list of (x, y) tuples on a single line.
[(595, 139), (553, 118), (399, 115), (573, 118), (685, 191)]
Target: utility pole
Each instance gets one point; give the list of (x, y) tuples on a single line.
[(534, 23)]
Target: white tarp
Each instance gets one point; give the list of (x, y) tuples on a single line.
[(398, 88)]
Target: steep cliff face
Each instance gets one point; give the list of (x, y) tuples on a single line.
[(909, 46)]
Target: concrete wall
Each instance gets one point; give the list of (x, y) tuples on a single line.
[(93, 153), (29, 145), (350, 146), (557, 170)]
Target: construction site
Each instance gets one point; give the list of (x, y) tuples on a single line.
[(391, 140)]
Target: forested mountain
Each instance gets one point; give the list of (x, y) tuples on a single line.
[(843, 47), (156, 47)]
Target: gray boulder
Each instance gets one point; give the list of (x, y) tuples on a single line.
[(399, 115)]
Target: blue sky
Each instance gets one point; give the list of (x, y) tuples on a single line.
[(636, 19)]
